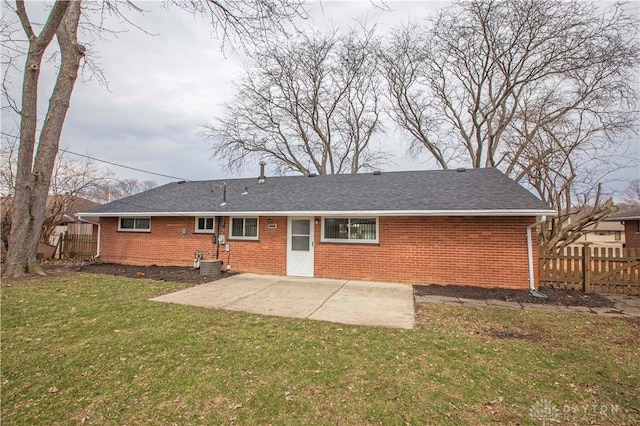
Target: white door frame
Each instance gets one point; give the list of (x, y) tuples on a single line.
[(300, 263)]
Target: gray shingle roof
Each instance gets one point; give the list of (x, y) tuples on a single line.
[(472, 192), (626, 214)]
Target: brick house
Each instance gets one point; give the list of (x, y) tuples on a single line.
[(465, 227), (631, 220)]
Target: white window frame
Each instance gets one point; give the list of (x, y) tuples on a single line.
[(134, 229), (233, 237), (205, 231), (349, 240)]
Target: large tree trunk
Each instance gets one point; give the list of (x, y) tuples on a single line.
[(34, 175)]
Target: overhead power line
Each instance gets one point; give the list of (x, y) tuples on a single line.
[(122, 165)]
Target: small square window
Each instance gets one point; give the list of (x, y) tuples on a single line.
[(142, 224), (244, 228), (127, 223), (204, 225)]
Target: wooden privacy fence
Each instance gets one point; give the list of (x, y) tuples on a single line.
[(78, 246), (592, 270)]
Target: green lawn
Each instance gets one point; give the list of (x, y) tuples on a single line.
[(91, 349)]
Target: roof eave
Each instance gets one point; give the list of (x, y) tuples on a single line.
[(491, 212), (621, 219)]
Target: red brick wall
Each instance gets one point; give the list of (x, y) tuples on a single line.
[(166, 245), (267, 256), (482, 251), (632, 234)]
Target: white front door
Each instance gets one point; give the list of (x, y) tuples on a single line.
[(300, 246)]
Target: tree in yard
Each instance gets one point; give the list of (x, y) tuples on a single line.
[(310, 104), (631, 195), (74, 181), (114, 189), (543, 90), (71, 181), (34, 173), (9, 154), (235, 19)]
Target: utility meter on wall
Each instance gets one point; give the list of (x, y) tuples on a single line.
[(221, 239)]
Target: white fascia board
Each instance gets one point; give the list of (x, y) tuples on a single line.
[(339, 213), (123, 214), (431, 213), (152, 214), (621, 219)]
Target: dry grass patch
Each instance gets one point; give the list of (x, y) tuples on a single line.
[(92, 349)]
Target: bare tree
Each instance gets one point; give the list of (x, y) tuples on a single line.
[(74, 182), (238, 19), (115, 189), (34, 173), (134, 186), (309, 104), (9, 156), (72, 179), (540, 89), (631, 195)]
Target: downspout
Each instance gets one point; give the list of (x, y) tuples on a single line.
[(99, 240), (218, 219), (532, 288)]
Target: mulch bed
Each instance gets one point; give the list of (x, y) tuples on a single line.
[(189, 275), (556, 296), (159, 273)]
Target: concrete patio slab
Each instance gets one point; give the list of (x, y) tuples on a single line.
[(219, 293), (347, 302), (297, 299), (369, 303)]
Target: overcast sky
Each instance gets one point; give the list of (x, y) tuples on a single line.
[(163, 88)]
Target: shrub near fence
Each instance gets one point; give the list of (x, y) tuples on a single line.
[(592, 270)]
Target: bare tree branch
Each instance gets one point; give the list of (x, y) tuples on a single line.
[(632, 194), (541, 89), (310, 104), (65, 19)]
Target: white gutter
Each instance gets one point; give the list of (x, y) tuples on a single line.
[(530, 252), (87, 221), (506, 212)]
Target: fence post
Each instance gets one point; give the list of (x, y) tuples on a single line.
[(586, 268), (63, 244)]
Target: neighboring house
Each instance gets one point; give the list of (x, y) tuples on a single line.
[(63, 215), (60, 217), (603, 234), (466, 227), (630, 218)]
